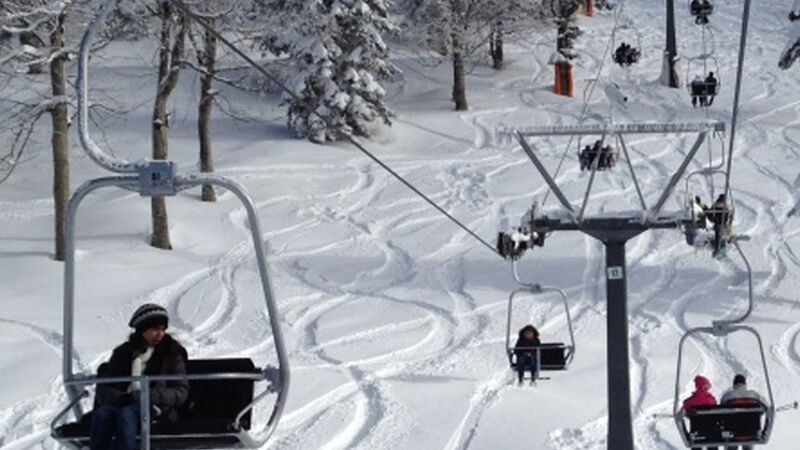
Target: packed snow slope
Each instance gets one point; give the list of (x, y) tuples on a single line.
[(396, 319)]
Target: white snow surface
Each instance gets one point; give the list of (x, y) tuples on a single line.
[(395, 319)]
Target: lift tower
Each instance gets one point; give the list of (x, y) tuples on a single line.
[(614, 231)]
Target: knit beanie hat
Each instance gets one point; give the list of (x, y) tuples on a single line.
[(739, 379), (701, 383), (147, 316)]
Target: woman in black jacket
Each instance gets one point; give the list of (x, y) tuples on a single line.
[(526, 351), (148, 351)]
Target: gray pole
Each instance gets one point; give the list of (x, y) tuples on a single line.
[(739, 67), (669, 74), (620, 430)]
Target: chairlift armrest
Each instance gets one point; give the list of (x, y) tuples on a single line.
[(66, 409), (273, 376), (250, 406)]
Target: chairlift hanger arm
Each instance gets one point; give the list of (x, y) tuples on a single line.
[(97, 154)]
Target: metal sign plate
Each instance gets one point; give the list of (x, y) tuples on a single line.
[(615, 273)]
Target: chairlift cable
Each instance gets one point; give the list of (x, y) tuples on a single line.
[(587, 98), (348, 137)]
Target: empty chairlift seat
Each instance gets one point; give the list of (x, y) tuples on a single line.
[(207, 419)]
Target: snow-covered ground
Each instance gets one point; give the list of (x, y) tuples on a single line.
[(395, 318)]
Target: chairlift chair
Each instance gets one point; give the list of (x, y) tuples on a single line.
[(730, 424), (697, 229), (550, 356), (630, 37), (698, 83), (218, 413)]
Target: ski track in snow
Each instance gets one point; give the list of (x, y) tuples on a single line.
[(208, 305)]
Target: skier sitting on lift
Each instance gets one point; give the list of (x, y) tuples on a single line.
[(586, 157), (698, 90), (699, 210), (720, 216), (740, 395), (711, 88), (526, 354), (150, 350), (606, 158), (702, 396)]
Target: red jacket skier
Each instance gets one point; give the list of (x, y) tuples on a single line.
[(702, 395)]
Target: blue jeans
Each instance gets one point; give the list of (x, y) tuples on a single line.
[(115, 427), (525, 362)]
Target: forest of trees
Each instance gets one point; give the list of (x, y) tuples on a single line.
[(334, 57)]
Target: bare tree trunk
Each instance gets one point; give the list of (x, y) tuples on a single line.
[(170, 54), (497, 45), (208, 59), (60, 135), (459, 84)]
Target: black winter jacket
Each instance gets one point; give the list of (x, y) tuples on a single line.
[(168, 358), (522, 342)]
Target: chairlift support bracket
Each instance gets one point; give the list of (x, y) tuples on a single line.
[(614, 232)]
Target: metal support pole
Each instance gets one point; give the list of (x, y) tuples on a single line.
[(653, 213), (633, 173), (620, 430), (669, 74), (547, 178), (144, 414), (739, 68)]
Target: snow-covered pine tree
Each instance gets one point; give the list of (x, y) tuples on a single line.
[(338, 56)]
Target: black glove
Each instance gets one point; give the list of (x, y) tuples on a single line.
[(128, 398)]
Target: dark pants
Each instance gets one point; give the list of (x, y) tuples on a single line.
[(525, 362), (115, 427), (717, 239), (707, 448)]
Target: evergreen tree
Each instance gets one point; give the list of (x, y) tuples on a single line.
[(338, 56)]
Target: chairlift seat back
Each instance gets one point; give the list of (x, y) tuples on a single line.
[(552, 356), (206, 419), (726, 424)]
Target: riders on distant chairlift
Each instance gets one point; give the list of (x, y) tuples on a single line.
[(605, 155), (703, 91), (711, 226), (626, 55), (700, 10)]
